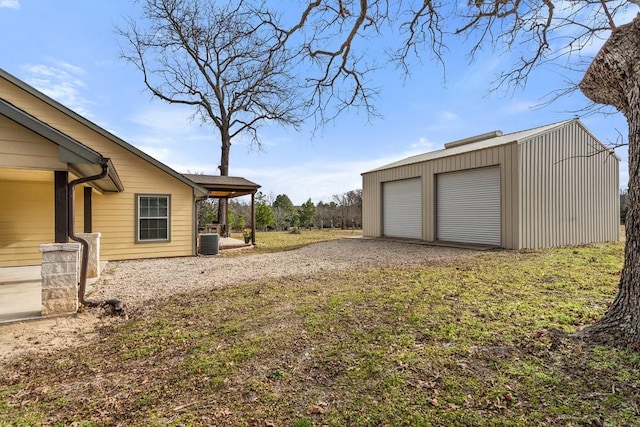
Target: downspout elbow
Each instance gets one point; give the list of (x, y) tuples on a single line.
[(116, 304)]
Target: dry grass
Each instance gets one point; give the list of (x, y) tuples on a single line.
[(478, 342), (278, 241)]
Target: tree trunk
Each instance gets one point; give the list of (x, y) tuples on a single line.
[(614, 79), (224, 171)]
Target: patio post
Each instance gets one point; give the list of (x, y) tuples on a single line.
[(253, 218)]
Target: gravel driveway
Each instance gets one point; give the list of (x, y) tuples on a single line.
[(135, 282)]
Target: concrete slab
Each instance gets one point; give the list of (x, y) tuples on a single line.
[(20, 301), (230, 243), (21, 292), (12, 275)]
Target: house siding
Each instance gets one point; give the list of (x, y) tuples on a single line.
[(28, 223), (569, 186), (114, 213), (22, 148), (114, 217), (504, 156)]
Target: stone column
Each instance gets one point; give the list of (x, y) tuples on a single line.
[(60, 272), (93, 268)]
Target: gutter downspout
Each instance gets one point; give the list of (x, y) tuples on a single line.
[(116, 304)]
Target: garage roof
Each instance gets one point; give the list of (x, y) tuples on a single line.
[(480, 142)]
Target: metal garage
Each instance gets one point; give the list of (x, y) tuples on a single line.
[(402, 208), (553, 185), (468, 206)]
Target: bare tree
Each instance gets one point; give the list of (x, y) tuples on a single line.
[(337, 35), (334, 35), (349, 207), (221, 58)]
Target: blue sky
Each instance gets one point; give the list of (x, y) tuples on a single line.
[(68, 49)]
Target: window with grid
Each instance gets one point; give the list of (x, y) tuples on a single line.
[(153, 218)]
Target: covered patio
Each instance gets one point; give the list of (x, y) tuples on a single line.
[(229, 187)]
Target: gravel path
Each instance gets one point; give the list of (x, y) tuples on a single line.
[(135, 282)]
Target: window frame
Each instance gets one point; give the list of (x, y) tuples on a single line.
[(138, 239)]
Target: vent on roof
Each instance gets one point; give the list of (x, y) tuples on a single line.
[(471, 139)]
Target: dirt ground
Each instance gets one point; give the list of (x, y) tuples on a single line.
[(49, 335)]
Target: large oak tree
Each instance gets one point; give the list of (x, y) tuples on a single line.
[(224, 59)]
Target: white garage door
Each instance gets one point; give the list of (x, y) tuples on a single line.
[(402, 208), (468, 206)]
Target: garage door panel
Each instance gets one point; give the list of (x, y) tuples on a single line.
[(468, 206), (402, 208)]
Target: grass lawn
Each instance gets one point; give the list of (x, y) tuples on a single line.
[(277, 241), (479, 342)]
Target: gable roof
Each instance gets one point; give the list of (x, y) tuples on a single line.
[(75, 116), (480, 142), (82, 160), (224, 186)]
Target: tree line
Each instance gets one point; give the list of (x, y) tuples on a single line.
[(277, 212)]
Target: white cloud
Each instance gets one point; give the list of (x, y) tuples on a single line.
[(447, 116), (61, 81), (423, 145), (163, 123), (519, 107), (443, 121), (9, 4), (159, 153), (316, 179), (589, 44), (164, 119), (319, 179), (166, 133)]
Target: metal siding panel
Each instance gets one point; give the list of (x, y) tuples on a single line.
[(567, 190), (468, 206), (371, 203), (428, 201), (505, 190), (402, 208), (512, 201)]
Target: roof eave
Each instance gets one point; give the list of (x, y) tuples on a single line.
[(70, 149), (82, 160), (55, 104)]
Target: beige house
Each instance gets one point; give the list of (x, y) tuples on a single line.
[(550, 186), (141, 207)]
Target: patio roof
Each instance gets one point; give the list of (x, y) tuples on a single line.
[(82, 160), (224, 186)]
